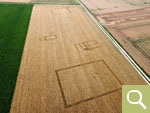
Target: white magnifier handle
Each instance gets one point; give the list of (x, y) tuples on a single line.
[(141, 103)]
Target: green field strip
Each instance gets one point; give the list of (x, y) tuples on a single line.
[(14, 21)]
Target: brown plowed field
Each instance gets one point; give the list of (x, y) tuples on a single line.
[(128, 21)]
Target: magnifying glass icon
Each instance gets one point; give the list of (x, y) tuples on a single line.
[(137, 102)]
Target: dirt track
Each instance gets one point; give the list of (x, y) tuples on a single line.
[(70, 66)]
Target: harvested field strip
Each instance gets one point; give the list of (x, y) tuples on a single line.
[(70, 66), (56, 2), (14, 20)]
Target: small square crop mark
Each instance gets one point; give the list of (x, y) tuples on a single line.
[(50, 37), (77, 83), (143, 45), (87, 45)]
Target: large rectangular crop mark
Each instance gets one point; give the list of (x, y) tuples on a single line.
[(85, 82)]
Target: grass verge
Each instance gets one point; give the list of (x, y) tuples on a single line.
[(14, 21)]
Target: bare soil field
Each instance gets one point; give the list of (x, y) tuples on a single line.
[(107, 6), (128, 21), (70, 66), (16, 1)]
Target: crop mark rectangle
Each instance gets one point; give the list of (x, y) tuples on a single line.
[(50, 37), (75, 87), (143, 45), (87, 45)]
